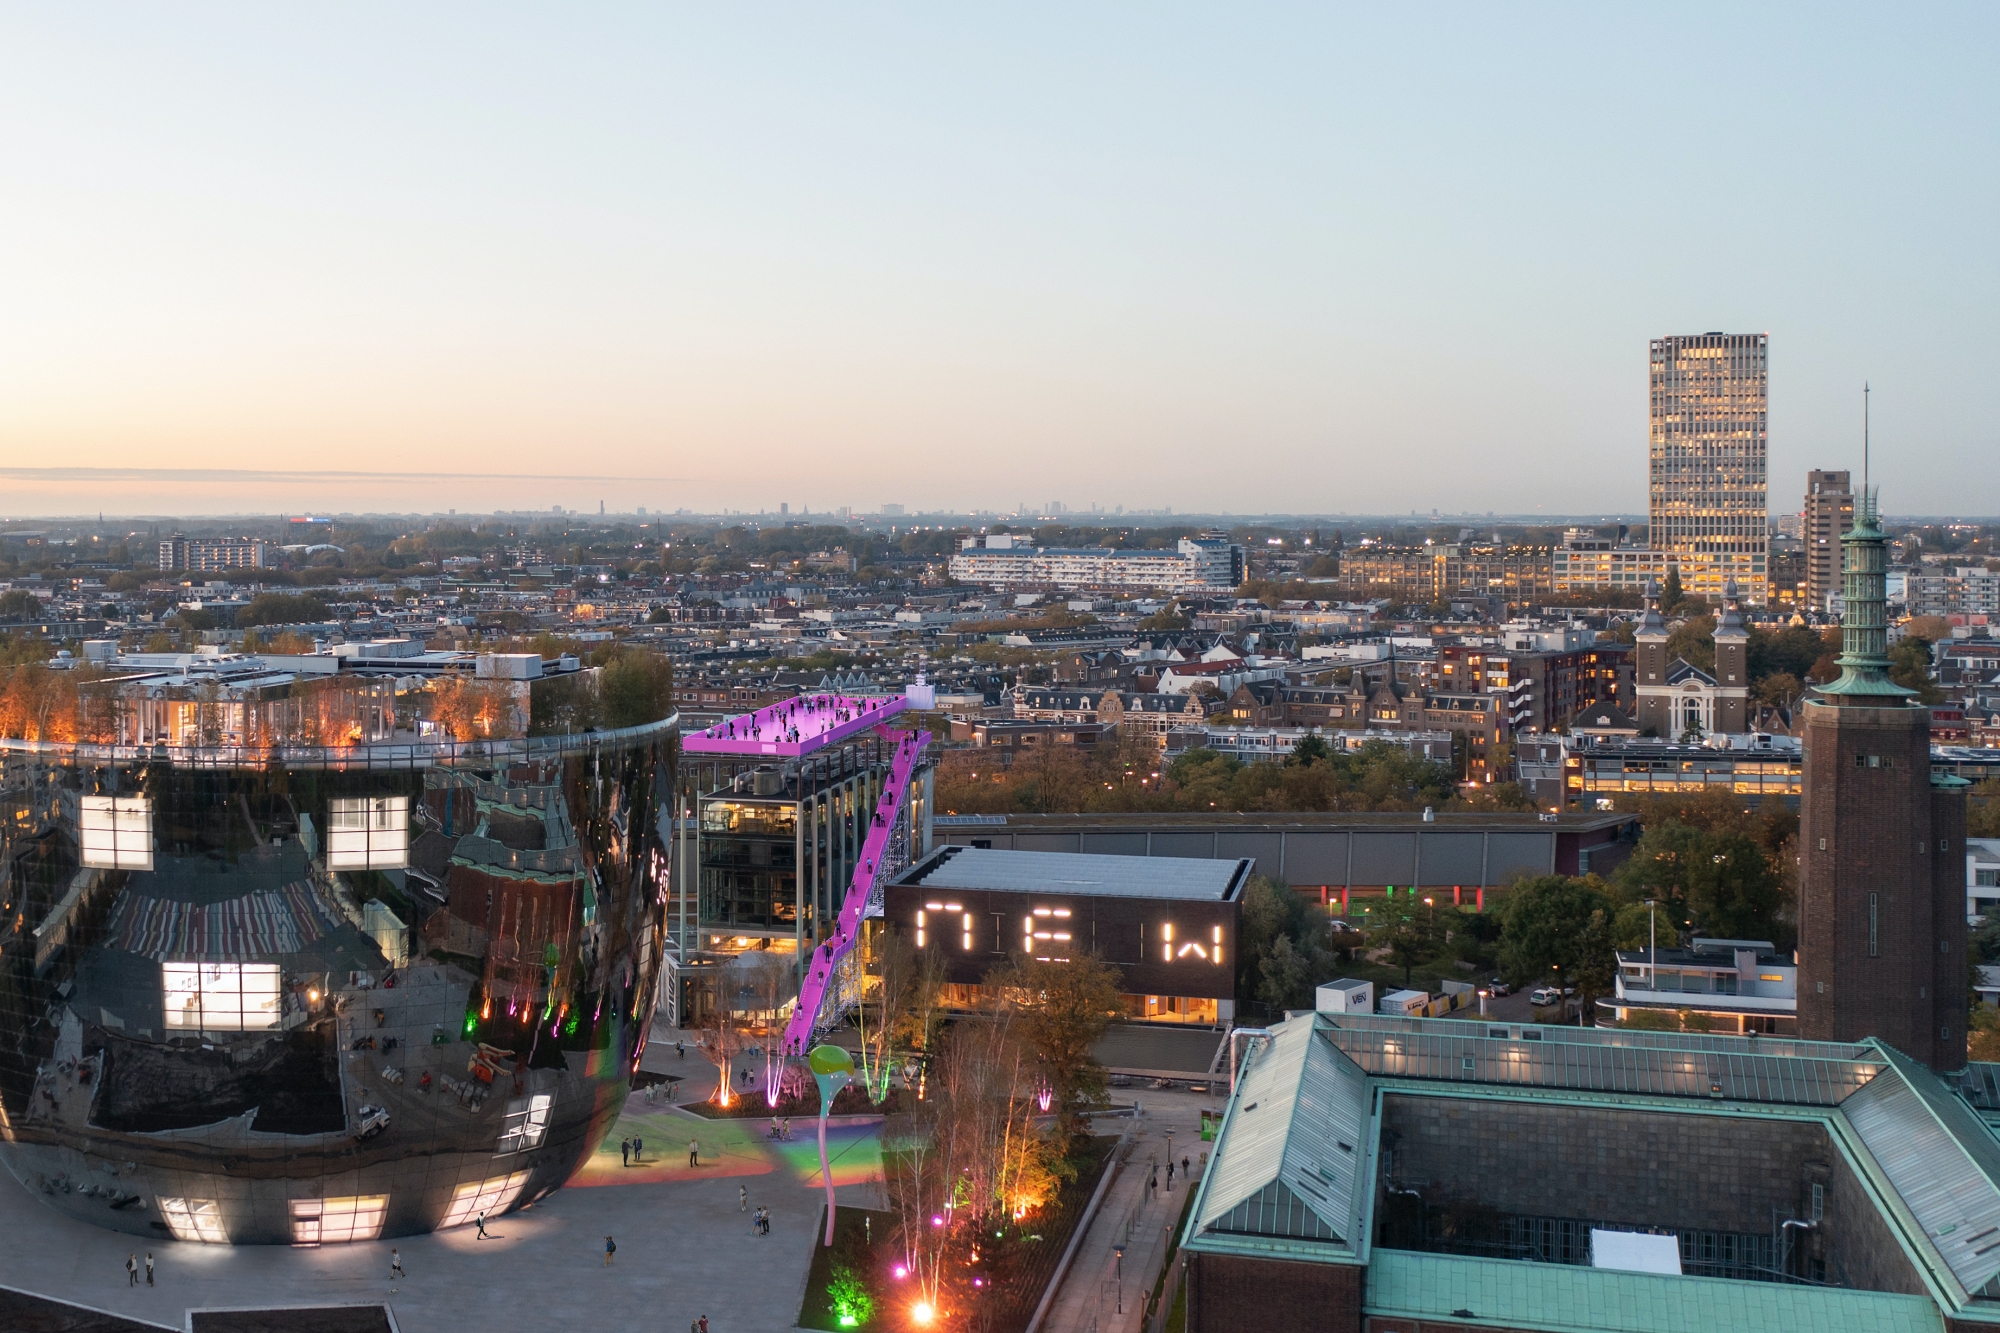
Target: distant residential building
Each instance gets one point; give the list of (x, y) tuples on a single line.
[(1274, 745), (1208, 563), (1965, 665), (1752, 767), (1982, 877), (1826, 516), (1970, 590), (1150, 714), (210, 555), (1707, 443), (1000, 742), (1431, 574)]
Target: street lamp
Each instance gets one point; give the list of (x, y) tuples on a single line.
[(1119, 1251)]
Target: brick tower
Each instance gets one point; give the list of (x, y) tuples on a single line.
[(1732, 667), (1655, 703), (1881, 884)]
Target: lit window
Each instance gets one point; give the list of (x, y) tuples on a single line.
[(116, 832), (483, 1196), (368, 833), (220, 997), (527, 1121), (194, 1219), (339, 1220)]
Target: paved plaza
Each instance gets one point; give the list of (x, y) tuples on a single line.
[(684, 1248)]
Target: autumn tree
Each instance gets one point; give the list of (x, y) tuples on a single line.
[(1061, 1009)]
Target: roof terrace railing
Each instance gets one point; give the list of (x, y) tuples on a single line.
[(407, 755)]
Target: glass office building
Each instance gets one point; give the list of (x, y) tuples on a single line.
[(306, 995), (1708, 438)]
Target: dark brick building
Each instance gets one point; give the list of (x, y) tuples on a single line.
[(1881, 891)]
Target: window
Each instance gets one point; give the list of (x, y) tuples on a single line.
[(220, 997), (1874, 941), (483, 1196), (368, 833), (526, 1122), (116, 832), (193, 1219), (337, 1221)]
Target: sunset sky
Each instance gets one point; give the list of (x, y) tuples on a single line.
[(1214, 257)]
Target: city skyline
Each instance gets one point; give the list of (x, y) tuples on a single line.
[(1169, 258)]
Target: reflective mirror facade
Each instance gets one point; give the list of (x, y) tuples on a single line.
[(354, 993)]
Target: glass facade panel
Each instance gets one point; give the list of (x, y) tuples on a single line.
[(471, 1199), (193, 1219), (368, 833), (226, 978)]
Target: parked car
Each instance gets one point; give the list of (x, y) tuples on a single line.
[(1544, 995), (1498, 987)]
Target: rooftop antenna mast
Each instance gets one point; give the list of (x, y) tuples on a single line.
[(1864, 437)]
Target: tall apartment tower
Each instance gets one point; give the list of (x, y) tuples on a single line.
[(1707, 500), (1881, 888), (1825, 518)]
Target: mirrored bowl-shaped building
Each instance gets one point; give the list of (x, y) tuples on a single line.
[(312, 995)]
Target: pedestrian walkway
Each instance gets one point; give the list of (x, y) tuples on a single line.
[(1132, 1218), (685, 1248)]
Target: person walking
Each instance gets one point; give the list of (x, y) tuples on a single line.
[(1184, 1169), (1170, 1175), (680, 1048), (482, 1226), (638, 1148), (395, 1264), (742, 1198), (625, 1152), (132, 1270), (149, 1268), (610, 1251), (704, 1324), (694, 1152)]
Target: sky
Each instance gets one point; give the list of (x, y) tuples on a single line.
[(1224, 258)]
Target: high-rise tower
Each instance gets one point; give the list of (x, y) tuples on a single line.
[(1706, 493), (1827, 514), (1881, 884)]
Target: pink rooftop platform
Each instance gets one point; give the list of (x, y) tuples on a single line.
[(795, 727)]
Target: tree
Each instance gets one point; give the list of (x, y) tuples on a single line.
[(1061, 1009), (1670, 592), (1721, 883), (1310, 750), (1546, 929), (1693, 641), (1597, 963), (1414, 938), (282, 608), (1982, 809), (1910, 667)]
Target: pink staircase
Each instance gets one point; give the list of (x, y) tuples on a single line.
[(826, 959)]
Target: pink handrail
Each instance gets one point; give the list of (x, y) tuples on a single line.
[(847, 926)]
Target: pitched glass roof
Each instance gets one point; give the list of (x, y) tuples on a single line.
[(1942, 1159), (1505, 1293), (1607, 1060), (1295, 1145)]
